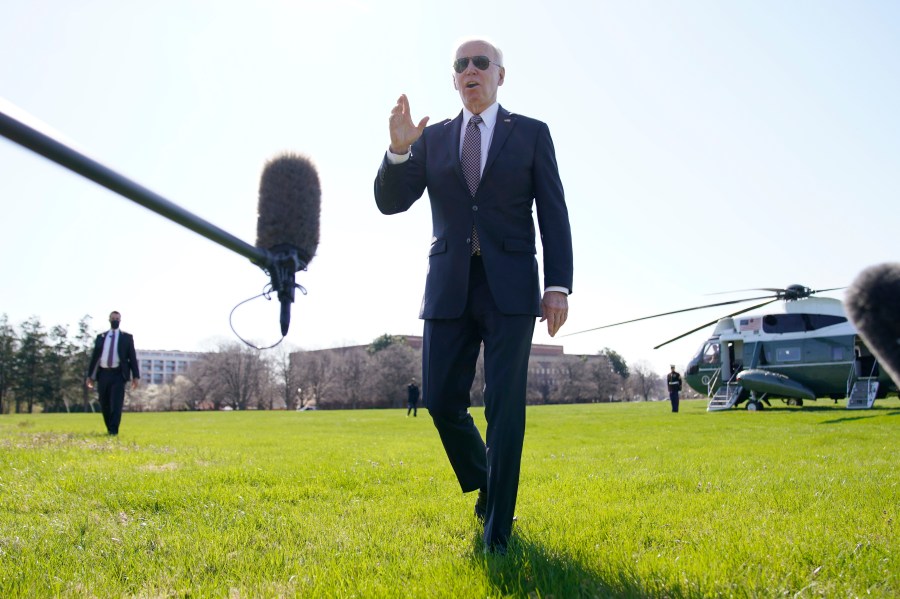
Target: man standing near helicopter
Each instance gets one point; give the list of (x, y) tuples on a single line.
[(673, 380)]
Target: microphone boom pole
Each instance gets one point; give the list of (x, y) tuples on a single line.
[(60, 153), (279, 263)]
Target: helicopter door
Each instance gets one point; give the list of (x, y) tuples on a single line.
[(727, 359), (736, 356), (732, 359), (866, 365)]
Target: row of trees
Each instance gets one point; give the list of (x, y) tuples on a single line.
[(41, 369), (240, 378)]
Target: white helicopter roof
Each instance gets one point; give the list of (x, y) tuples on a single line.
[(808, 305), (752, 322)]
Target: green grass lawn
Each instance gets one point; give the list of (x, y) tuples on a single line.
[(616, 500)]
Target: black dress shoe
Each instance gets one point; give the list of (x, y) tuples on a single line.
[(481, 505)]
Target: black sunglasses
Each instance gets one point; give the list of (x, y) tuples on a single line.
[(480, 62)]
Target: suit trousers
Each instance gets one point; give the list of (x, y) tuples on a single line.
[(111, 389), (449, 356), (673, 398)]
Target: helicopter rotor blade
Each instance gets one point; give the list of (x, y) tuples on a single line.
[(712, 322), (772, 289), (825, 290), (791, 292), (615, 324)]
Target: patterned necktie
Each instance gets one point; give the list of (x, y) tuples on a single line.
[(471, 166), (112, 347)]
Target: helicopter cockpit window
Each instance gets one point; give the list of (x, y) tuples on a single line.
[(711, 354), (798, 323)]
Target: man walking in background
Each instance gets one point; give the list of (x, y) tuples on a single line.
[(113, 362), (485, 172), (412, 398)]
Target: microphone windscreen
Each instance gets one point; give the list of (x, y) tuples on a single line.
[(873, 305), (289, 205)]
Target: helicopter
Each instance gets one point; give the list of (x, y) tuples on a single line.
[(801, 348)]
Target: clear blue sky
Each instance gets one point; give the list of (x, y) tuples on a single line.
[(704, 146)]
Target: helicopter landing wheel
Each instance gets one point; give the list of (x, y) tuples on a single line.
[(754, 406), (794, 401)]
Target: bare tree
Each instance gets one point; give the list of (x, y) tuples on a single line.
[(349, 379), (199, 386), (242, 372), (231, 376), (315, 375), (607, 382), (576, 384), (285, 378), (645, 383), (390, 370), (542, 383), (267, 394)]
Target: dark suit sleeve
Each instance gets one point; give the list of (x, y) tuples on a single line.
[(132, 359), (553, 216), (398, 186), (95, 357)]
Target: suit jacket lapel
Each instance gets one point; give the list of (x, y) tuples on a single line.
[(454, 129), (502, 128)]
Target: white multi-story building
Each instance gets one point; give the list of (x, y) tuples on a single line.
[(159, 367)]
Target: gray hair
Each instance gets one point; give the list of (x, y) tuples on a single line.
[(498, 53)]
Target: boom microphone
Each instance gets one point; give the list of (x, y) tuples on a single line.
[(873, 304), (288, 223), (288, 210)]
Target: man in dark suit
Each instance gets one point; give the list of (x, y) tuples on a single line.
[(412, 398), (113, 362), (485, 171)]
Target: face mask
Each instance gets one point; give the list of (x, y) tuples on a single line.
[(114, 324)]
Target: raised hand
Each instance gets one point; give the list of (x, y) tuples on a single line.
[(403, 132)]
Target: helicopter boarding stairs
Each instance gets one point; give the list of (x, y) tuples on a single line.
[(862, 395), (726, 396), (863, 388)]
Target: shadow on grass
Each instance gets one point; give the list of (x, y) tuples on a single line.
[(847, 419), (870, 413), (530, 569)]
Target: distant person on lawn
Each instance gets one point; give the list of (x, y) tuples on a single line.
[(113, 363)]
